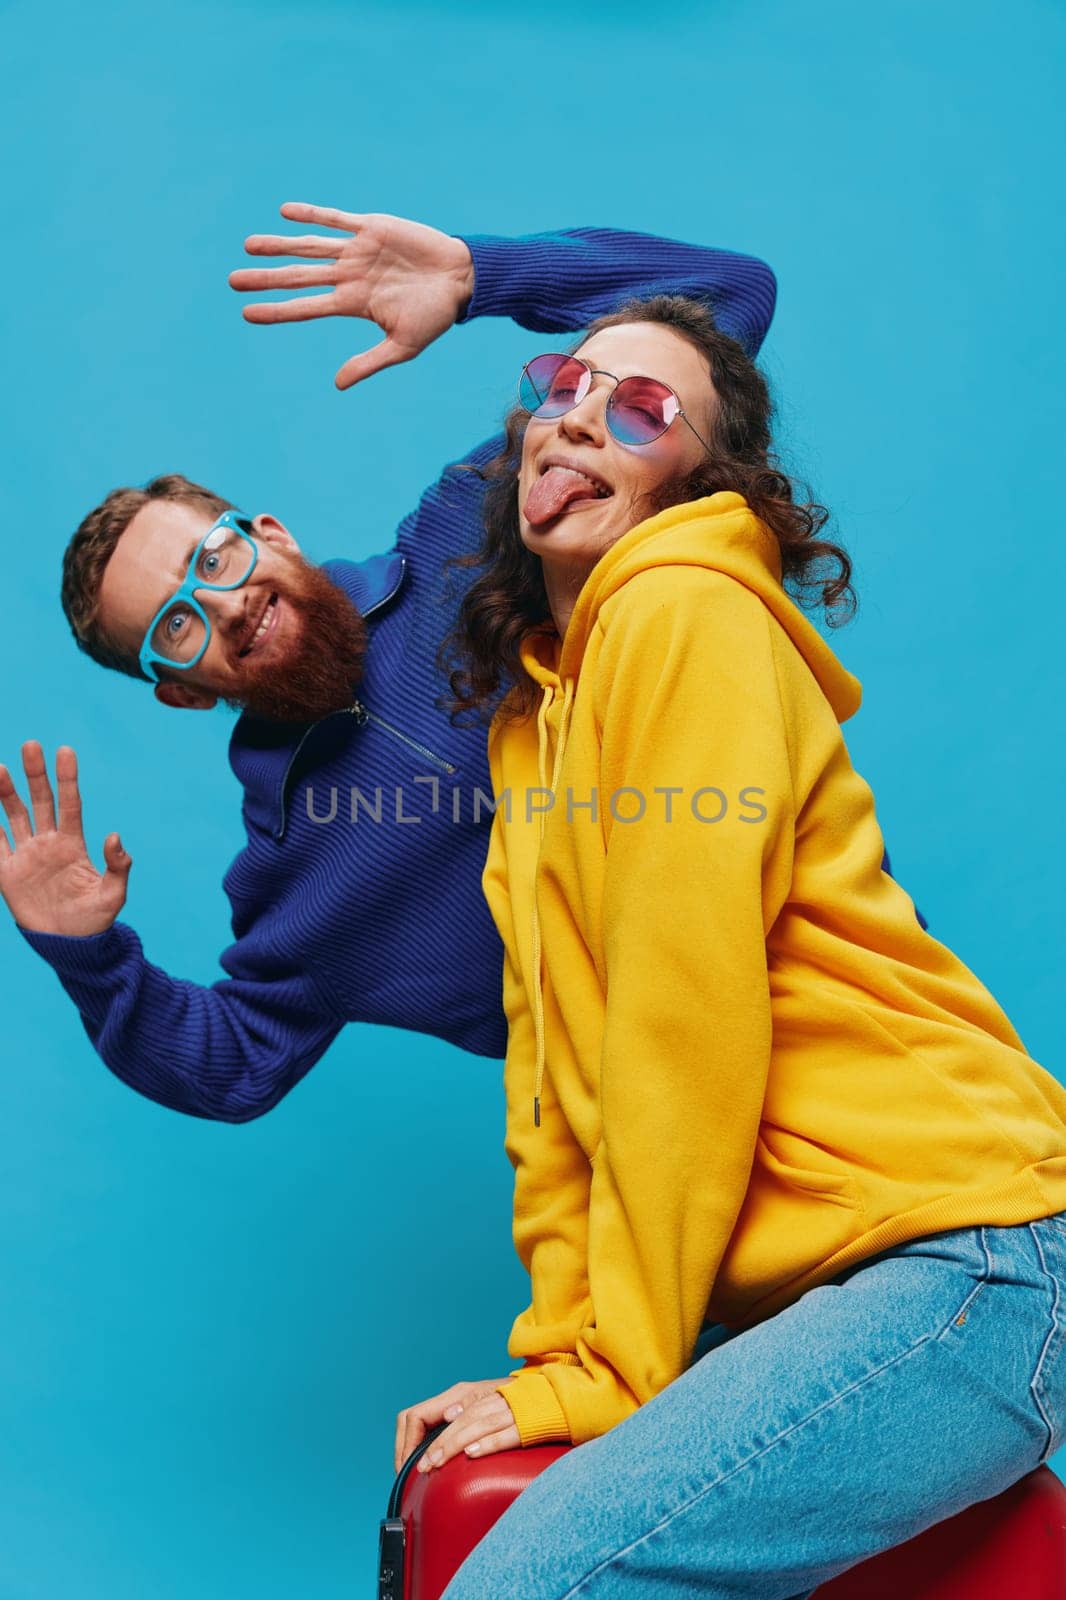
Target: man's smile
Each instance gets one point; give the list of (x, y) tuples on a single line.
[(263, 627)]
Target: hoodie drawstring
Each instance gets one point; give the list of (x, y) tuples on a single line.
[(542, 772)]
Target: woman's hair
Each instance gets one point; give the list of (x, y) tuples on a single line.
[(481, 654)]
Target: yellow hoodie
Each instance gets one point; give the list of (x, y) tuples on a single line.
[(752, 1067)]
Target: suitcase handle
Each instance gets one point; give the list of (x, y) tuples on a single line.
[(392, 1551), (392, 1538)]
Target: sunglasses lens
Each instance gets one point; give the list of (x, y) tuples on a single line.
[(640, 409), (552, 384)]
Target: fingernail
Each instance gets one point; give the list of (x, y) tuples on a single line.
[(472, 1449), (452, 1411)]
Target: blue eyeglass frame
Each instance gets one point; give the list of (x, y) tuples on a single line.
[(238, 523)]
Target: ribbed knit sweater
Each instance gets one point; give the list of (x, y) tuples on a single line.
[(374, 913)]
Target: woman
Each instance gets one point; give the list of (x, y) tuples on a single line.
[(758, 1116)]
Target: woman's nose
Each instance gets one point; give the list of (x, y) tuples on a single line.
[(588, 419)]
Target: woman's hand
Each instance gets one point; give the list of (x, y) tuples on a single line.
[(481, 1423), (413, 281)]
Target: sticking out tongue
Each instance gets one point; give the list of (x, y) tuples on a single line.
[(553, 492)]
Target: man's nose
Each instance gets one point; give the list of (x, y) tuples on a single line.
[(226, 608)]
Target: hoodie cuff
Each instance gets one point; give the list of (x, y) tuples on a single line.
[(79, 956), (498, 264), (537, 1413)]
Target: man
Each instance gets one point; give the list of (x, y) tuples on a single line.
[(357, 896)]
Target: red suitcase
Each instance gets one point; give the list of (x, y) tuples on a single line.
[(1013, 1545)]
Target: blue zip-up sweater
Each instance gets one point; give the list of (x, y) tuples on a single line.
[(357, 897)]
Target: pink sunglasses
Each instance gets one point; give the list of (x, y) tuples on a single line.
[(638, 409)]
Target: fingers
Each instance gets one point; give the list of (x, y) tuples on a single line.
[(411, 1423), (410, 1432), (41, 798), (322, 216), (116, 858), (18, 817), (406, 1425), (69, 793), (386, 354), (506, 1439), (486, 1425), (283, 277), (302, 310), (284, 244), (411, 1427), (117, 866)]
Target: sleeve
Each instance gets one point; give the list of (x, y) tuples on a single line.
[(228, 1052), (560, 282), (686, 696)]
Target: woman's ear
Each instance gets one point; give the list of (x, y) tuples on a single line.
[(185, 696), (269, 531)]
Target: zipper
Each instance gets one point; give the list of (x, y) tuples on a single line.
[(283, 785), (363, 715)]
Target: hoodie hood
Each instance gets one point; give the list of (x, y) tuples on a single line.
[(721, 532)]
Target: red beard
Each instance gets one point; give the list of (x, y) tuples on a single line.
[(318, 669)]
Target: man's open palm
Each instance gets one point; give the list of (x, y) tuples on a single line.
[(46, 877), (413, 281)]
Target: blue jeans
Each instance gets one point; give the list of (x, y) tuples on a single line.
[(914, 1384)]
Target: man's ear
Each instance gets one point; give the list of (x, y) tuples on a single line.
[(184, 696), (272, 532)]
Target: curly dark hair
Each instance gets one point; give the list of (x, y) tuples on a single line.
[(481, 654)]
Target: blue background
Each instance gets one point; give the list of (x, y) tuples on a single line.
[(207, 1330)]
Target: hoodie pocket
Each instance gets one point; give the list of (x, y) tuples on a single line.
[(789, 1160), (795, 1216)]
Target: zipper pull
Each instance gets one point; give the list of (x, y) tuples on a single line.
[(358, 710)]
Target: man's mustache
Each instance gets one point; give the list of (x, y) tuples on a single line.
[(314, 671)]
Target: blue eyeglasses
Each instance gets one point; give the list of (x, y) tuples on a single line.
[(180, 631)]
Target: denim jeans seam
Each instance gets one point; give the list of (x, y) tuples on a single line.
[(987, 1269), (1057, 1220), (1049, 1350), (926, 1338)]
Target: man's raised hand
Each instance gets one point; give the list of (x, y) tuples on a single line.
[(413, 281), (46, 877)]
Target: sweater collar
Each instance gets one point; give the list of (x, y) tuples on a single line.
[(266, 755), (368, 584)]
